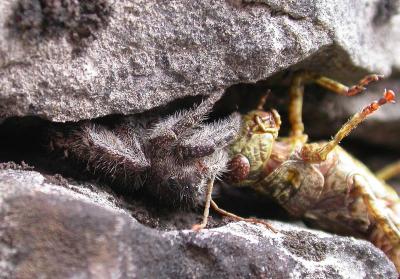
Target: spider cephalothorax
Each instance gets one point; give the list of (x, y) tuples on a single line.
[(172, 159)]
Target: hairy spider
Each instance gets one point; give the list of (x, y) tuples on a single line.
[(172, 159)]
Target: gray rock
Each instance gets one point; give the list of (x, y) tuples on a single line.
[(65, 231), (83, 60), (76, 61)]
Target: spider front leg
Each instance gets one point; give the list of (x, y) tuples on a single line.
[(315, 152), (171, 128), (208, 138), (297, 92)]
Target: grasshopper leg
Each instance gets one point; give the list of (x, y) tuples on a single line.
[(315, 153), (389, 171), (386, 234), (342, 89), (238, 218), (296, 108), (297, 92), (206, 213)]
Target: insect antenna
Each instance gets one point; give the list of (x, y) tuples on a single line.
[(263, 100)]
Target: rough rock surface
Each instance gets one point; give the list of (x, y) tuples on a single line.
[(66, 231), (75, 61), (67, 60)]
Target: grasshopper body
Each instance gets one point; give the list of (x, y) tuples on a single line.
[(319, 182)]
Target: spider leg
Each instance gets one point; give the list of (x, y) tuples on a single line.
[(196, 115), (104, 151), (209, 137), (297, 92), (225, 131), (389, 171), (315, 153), (170, 129), (187, 150)]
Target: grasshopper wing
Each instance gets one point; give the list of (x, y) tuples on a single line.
[(296, 185)]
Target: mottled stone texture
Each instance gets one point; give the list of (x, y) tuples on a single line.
[(66, 61), (55, 231)]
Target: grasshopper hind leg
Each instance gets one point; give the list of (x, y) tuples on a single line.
[(297, 92), (214, 206), (386, 234), (206, 213), (238, 218), (389, 172)]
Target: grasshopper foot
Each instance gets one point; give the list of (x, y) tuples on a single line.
[(238, 218), (198, 227)]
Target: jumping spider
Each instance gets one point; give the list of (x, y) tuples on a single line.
[(172, 159)]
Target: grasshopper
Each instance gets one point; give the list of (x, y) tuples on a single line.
[(319, 182)]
